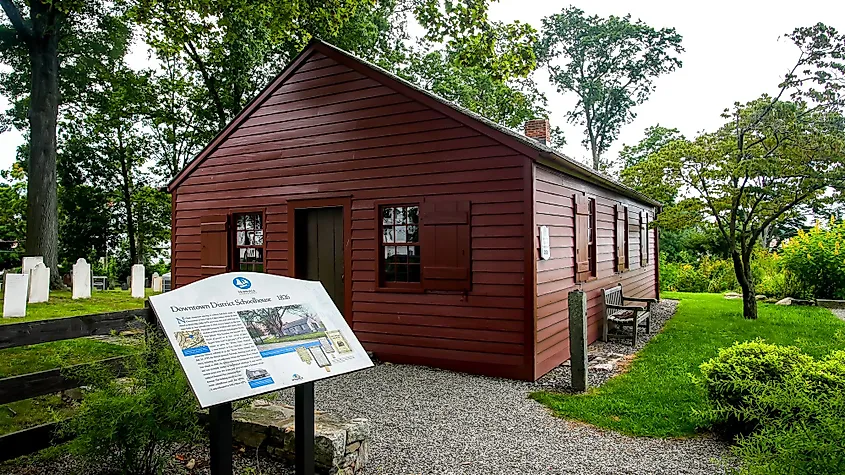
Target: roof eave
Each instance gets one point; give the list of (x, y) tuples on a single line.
[(557, 161)]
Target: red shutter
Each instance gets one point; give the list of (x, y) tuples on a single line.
[(582, 225), (445, 245), (643, 238), (215, 245), (621, 211)]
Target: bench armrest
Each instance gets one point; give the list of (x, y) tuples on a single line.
[(639, 299), (625, 307)]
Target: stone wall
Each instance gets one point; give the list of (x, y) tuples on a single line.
[(341, 447)]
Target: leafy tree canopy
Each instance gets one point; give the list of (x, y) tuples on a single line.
[(609, 64)]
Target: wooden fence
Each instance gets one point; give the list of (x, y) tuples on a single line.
[(31, 385)]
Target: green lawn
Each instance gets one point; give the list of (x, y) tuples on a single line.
[(656, 397), (304, 336), (62, 305), (28, 359)]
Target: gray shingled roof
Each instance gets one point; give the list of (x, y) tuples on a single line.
[(570, 164)]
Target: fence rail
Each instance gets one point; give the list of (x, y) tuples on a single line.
[(31, 385)]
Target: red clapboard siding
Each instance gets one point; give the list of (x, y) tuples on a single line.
[(556, 276), (331, 131)]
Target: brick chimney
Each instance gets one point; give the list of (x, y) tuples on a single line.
[(539, 130)]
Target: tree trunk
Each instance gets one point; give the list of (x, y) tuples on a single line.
[(42, 218), (126, 191), (742, 267)]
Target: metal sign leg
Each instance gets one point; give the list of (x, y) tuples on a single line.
[(221, 438), (304, 426)]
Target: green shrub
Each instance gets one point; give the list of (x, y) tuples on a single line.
[(131, 425), (788, 408), (817, 260), (740, 375)]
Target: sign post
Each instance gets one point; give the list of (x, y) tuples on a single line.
[(242, 334)]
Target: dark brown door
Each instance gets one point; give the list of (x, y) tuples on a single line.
[(319, 249)]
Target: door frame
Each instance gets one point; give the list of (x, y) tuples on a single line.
[(345, 203)]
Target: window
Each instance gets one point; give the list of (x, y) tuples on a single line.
[(249, 242), (400, 246), (585, 237)]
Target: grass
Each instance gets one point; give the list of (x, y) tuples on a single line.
[(61, 304), (28, 359), (657, 396)]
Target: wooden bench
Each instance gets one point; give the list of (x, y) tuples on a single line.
[(618, 314)]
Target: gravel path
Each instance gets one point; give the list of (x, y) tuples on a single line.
[(429, 421), (839, 312)]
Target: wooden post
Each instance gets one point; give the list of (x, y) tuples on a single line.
[(220, 436), (304, 427), (578, 339)]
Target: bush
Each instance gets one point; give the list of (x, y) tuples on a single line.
[(817, 260), (740, 375), (788, 408), (131, 425)]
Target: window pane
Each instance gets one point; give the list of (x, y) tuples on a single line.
[(413, 273), (258, 238), (414, 254), (241, 238), (389, 272), (401, 253), (387, 234), (413, 234), (413, 215), (248, 221), (399, 215), (401, 273), (387, 215), (401, 234), (240, 222), (256, 221), (258, 268), (389, 252)]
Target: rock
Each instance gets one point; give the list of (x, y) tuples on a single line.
[(191, 464), (604, 367), (340, 447), (760, 297), (784, 301), (733, 295), (73, 394)]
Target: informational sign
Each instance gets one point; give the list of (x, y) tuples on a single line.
[(545, 246), (243, 333)]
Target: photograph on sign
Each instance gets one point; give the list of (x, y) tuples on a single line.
[(242, 334)]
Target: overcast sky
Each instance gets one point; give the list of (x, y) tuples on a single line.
[(732, 54)]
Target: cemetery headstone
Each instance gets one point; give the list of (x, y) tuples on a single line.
[(156, 282), (39, 283), (30, 262), (100, 282), (81, 279), (137, 285), (14, 295)]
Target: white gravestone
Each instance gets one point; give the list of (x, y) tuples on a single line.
[(29, 263), (138, 281), (14, 296), (81, 279), (156, 282), (39, 284)]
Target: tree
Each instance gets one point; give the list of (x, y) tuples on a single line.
[(648, 176), (12, 217), (43, 42), (610, 64), (772, 155), (482, 65)]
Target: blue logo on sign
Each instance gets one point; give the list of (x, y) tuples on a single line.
[(242, 283)]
